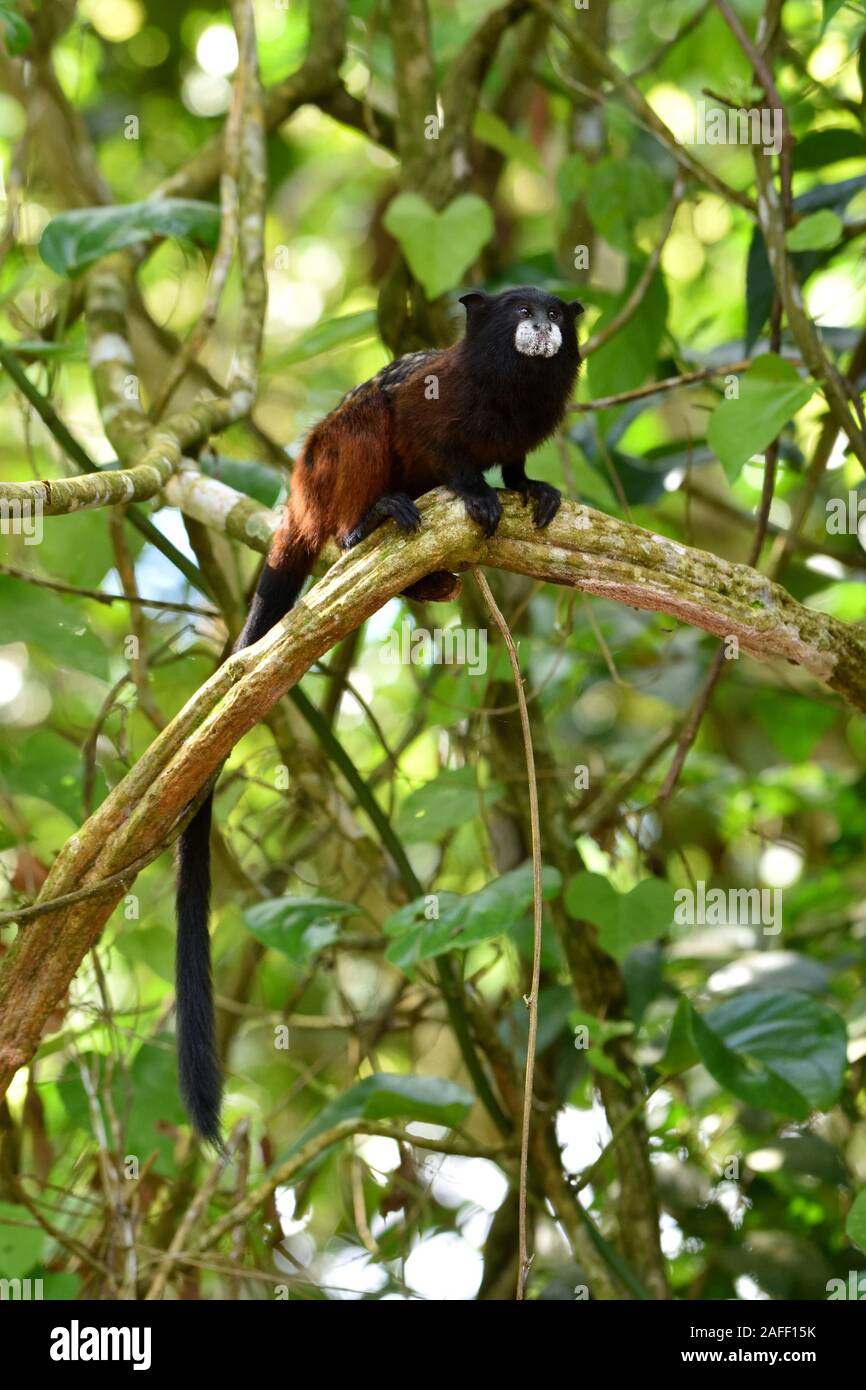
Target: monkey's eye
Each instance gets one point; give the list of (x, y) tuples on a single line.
[(524, 310), (554, 314)]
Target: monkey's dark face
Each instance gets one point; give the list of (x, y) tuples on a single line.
[(538, 331), (520, 360), (523, 321)]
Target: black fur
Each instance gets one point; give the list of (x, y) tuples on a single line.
[(496, 405), (197, 1060), (198, 1064), (530, 393), (394, 505)]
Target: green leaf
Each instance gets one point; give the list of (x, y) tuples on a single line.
[(34, 347), (600, 1062), (681, 1051), (146, 1098), (572, 177), (855, 1226), (150, 946), (56, 625), (491, 130), (601, 1030), (815, 232), (45, 765), (298, 927), (463, 920), (779, 1050), (74, 240), (388, 1096), (760, 284), (324, 337), (828, 146), (845, 599), (598, 1032), (620, 193), (439, 246), (829, 8), (61, 1287), (452, 798), (627, 359), (258, 480), (792, 722), (623, 919), (20, 1245), (16, 36), (771, 392)]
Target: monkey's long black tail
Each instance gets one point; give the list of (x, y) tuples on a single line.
[(198, 1062)]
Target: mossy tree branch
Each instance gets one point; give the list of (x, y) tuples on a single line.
[(583, 549)]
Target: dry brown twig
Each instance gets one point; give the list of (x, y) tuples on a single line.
[(524, 1259)]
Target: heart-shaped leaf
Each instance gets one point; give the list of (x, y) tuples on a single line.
[(770, 393), (297, 927), (439, 246), (74, 240), (623, 919), (779, 1050)]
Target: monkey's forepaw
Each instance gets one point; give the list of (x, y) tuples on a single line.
[(545, 502), (485, 508), (404, 512)]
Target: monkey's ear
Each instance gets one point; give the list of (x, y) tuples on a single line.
[(474, 300), (575, 308)]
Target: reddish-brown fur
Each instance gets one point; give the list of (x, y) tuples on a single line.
[(345, 465), (427, 419)]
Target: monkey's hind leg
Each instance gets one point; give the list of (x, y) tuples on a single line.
[(394, 506), (438, 587)]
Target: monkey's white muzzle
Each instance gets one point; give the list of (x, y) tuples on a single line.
[(537, 342)]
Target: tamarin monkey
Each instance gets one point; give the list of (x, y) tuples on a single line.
[(427, 419)]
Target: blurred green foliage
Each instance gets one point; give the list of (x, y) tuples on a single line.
[(751, 1044)]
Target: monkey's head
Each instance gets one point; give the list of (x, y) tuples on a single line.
[(525, 322)]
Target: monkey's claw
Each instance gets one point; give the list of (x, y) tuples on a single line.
[(485, 508), (396, 506), (405, 513), (545, 502)]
